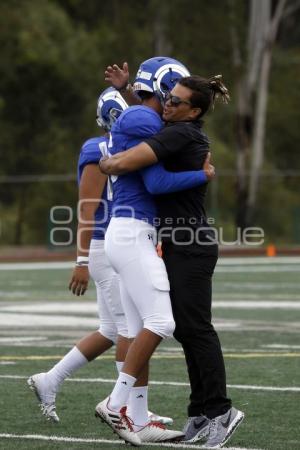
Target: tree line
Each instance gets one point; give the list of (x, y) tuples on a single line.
[(53, 54)]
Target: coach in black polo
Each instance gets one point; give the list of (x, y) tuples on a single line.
[(190, 252)]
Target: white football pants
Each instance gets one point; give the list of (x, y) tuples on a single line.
[(111, 314), (144, 285)]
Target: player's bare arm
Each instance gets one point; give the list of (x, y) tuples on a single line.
[(90, 191), (138, 157), (133, 159), (119, 78)]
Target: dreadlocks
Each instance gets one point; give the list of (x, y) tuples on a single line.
[(205, 91)]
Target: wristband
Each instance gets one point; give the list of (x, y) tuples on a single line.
[(82, 261)]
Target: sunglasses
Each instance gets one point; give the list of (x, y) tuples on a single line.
[(175, 101)]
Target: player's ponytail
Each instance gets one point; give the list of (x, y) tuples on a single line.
[(205, 91), (219, 89)]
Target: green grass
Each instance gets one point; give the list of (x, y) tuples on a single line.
[(272, 417)]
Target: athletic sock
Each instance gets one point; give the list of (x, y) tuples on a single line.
[(71, 361), (138, 406), (120, 394), (119, 365)]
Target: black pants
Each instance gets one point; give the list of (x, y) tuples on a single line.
[(190, 272)]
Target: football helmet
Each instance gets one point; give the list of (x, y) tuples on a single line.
[(159, 75), (110, 106)]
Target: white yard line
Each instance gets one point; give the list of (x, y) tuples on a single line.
[(229, 261), (91, 307), (37, 265), (281, 346), (51, 321), (262, 285), (256, 269), (167, 383), (53, 307), (261, 296), (254, 260), (22, 339), (60, 321), (41, 437), (260, 304), (264, 349)]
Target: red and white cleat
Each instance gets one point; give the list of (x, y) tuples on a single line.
[(119, 422), (157, 432), (162, 419)]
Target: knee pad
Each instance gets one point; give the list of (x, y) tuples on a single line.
[(163, 328), (123, 333), (109, 332), (121, 326), (133, 331)]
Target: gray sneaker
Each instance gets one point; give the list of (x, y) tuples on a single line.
[(222, 427), (196, 429)]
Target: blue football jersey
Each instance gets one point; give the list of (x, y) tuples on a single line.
[(90, 154), (130, 197)]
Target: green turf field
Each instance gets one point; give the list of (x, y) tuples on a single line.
[(257, 315)]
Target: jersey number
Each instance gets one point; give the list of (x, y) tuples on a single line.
[(111, 178)]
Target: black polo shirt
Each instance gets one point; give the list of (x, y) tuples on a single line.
[(182, 146)]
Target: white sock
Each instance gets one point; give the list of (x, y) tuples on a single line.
[(120, 394), (71, 361), (119, 365), (138, 406)]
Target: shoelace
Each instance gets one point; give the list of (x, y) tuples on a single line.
[(158, 425), (126, 419), (48, 409), (213, 428)]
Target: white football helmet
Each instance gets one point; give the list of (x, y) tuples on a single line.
[(159, 75), (110, 106)]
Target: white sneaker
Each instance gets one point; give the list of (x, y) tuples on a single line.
[(46, 402), (157, 432), (119, 422), (156, 418)]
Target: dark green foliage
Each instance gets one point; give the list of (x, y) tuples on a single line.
[(53, 54)]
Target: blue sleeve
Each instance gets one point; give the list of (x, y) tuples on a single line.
[(159, 181), (90, 154), (89, 158), (140, 123)]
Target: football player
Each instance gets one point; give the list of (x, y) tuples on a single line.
[(130, 245), (91, 259), (92, 222), (190, 253)]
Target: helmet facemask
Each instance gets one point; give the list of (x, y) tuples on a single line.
[(159, 75), (109, 107)]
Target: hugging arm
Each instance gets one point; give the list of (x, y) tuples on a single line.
[(156, 179), (159, 181), (164, 144), (133, 159)]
